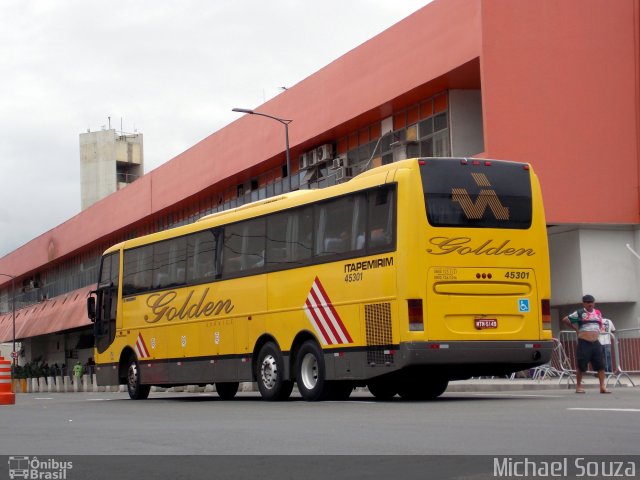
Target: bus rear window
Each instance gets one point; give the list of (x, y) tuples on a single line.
[(481, 194)]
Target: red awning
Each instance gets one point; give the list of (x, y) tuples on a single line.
[(50, 316)]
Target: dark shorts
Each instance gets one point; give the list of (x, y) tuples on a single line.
[(589, 352)]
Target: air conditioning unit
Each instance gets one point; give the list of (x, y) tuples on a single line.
[(303, 162), (311, 157), (343, 174), (324, 152), (339, 162)]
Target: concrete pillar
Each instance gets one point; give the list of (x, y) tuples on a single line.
[(67, 384), (59, 384), (86, 383), (51, 384), (34, 385)]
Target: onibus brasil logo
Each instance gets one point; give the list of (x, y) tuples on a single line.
[(34, 468)]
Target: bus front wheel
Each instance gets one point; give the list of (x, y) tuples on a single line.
[(137, 391), (311, 373), (270, 374)]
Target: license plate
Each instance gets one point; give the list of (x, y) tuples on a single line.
[(482, 323)]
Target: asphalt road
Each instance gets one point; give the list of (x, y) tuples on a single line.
[(534, 422)]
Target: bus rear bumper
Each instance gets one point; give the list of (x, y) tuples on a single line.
[(454, 360), (475, 352), (460, 360)]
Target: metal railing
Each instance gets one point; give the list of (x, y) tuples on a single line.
[(625, 355), (626, 346)]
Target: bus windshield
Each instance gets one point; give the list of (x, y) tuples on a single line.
[(476, 193)]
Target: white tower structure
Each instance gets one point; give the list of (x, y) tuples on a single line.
[(109, 161)]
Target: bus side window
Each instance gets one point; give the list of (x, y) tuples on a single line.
[(300, 235), (244, 246), (127, 275), (358, 223), (277, 251), (340, 223), (253, 251), (289, 238), (381, 218), (138, 265), (145, 266), (109, 271), (169, 259), (201, 256)]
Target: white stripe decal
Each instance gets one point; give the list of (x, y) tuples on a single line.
[(318, 311), (141, 348), (314, 324), (328, 316), (323, 316), (319, 320)]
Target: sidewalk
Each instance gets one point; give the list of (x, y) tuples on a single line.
[(495, 384), (505, 384)]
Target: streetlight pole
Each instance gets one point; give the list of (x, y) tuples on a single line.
[(13, 314), (286, 136)]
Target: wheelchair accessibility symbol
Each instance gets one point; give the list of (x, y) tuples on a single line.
[(523, 305)]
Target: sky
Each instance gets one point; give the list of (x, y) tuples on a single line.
[(167, 69)]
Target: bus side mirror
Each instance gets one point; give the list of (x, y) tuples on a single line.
[(91, 308)]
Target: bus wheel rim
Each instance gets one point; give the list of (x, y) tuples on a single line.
[(133, 375), (269, 371), (309, 371)]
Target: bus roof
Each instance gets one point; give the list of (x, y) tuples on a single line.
[(260, 207), (283, 201)]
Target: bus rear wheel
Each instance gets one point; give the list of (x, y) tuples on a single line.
[(311, 373), (383, 388), (137, 391), (340, 390), (270, 374), (423, 388), (227, 390)]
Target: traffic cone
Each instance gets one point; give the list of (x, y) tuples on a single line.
[(7, 397)]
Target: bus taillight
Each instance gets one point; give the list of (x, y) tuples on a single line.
[(416, 320), (545, 309)]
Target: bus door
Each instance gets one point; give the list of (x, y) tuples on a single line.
[(104, 327)]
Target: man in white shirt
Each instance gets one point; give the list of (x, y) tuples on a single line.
[(605, 341)]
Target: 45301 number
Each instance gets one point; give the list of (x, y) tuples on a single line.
[(517, 275), (353, 277)]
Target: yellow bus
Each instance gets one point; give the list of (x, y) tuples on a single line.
[(407, 276)]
